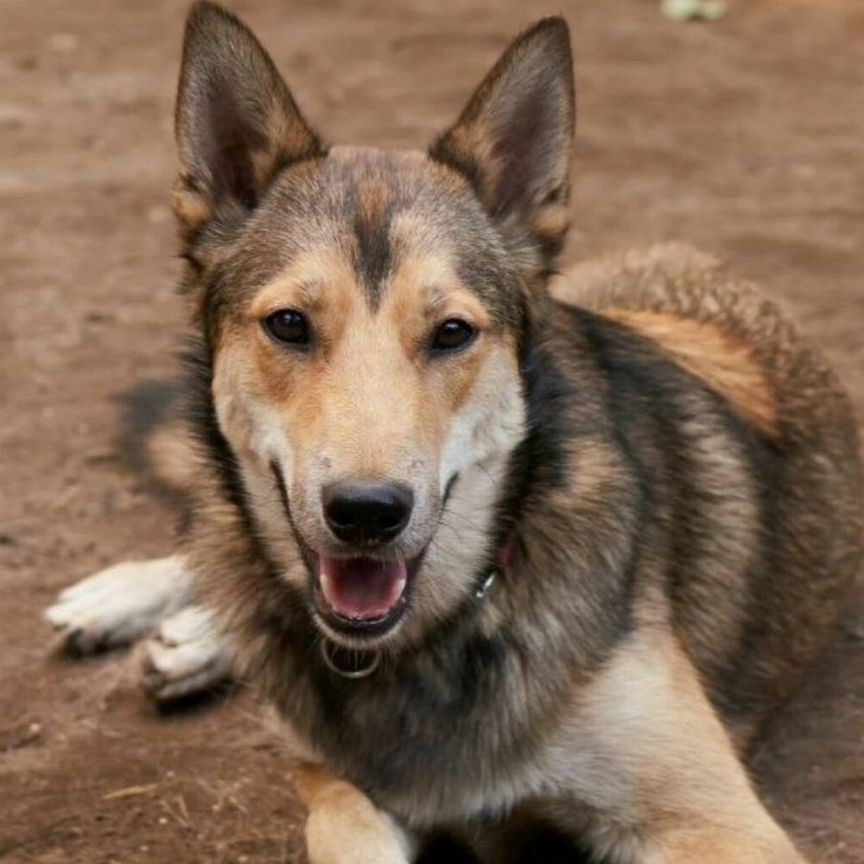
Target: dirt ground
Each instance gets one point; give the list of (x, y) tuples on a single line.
[(744, 137)]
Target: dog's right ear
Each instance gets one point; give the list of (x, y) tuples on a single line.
[(237, 124)]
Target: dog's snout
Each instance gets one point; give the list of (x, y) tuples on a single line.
[(367, 514)]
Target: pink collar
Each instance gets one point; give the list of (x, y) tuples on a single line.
[(505, 551), (503, 559)]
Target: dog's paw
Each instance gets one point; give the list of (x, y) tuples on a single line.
[(120, 604), (186, 656)]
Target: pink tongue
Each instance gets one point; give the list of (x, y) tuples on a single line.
[(362, 589)]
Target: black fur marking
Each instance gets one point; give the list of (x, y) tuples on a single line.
[(539, 461), (229, 145), (444, 849), (527, 840), (448, 489), (548, 394), (374, 254)]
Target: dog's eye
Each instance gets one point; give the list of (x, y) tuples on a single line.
[(452, 335), (288, 326)]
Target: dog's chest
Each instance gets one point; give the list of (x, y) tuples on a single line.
[(429, 744)]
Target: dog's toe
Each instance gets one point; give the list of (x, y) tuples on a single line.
[(185, 657), (190, 625)]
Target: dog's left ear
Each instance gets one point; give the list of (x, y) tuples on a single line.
[(514, 141)]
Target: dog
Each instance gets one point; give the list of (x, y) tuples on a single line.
[(506, 549)]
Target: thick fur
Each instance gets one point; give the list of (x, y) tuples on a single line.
[(676, 472), (651, 506)]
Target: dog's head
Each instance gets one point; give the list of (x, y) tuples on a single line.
[(365, 314)]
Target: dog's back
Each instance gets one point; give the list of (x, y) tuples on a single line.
[(751, 639)]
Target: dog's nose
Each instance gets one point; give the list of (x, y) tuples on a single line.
[(367, 514)]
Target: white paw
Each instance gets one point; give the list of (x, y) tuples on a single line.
[(186, 656), (120, 604)]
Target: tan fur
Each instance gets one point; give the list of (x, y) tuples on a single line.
[(363, 360), (723, 363), (191, 209), (677, 773), (362, 366), (343, 826)]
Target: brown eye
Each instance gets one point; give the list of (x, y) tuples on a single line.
[(452, 335), (289, 327)]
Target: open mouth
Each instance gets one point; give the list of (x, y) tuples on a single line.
[(363, 596), (362, 589)]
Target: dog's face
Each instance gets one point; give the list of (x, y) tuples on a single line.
[(365, 313), (362, 360)]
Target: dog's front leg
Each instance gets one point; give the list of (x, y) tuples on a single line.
[(649, 756), (344, 826), (713, 847)]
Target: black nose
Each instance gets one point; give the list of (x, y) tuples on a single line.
[(367, 514)]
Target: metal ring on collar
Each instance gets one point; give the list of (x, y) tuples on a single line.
[(349, 662)]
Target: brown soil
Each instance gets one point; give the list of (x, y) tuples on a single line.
[(744, 137)]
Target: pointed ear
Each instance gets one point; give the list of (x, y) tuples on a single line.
[(237, 124), (514, 140)]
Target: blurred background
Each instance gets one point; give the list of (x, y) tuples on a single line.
[(743, 136)]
